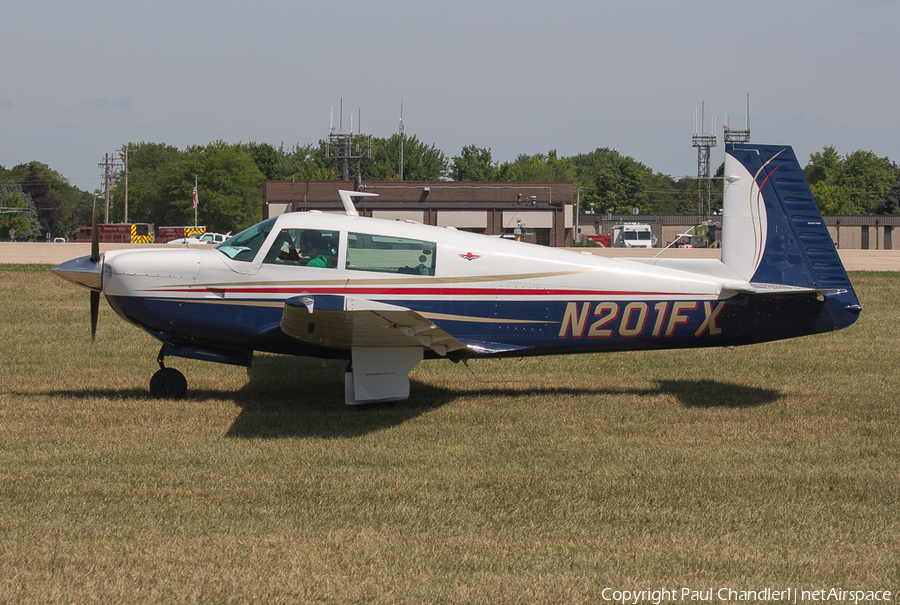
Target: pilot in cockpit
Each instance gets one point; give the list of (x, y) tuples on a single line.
[(312, 246), (312, 251)]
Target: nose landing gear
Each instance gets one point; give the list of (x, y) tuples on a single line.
[(168, 383)]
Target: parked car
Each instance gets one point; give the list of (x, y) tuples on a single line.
[(215, 238), (207, 238)]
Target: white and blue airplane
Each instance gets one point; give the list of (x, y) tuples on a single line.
[(383, 295)]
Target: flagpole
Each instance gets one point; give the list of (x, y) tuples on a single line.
[(195, 200)]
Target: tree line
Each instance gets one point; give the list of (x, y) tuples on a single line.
[(230, 179)]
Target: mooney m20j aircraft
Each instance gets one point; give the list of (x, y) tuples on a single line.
[(382, 295)]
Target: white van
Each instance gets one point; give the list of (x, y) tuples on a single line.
[(633, 235)]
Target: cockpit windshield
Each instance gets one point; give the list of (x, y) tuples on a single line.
[(246, 244)]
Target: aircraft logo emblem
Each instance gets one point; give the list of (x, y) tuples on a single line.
[(469, 256)]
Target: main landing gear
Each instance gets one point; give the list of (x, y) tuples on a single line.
[(168, 383)]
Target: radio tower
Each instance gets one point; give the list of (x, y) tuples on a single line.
[(703, 142), (739, 136), (344, 147)]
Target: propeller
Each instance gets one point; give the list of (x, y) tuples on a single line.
[(87, 271), (95, 258), (95, 313)]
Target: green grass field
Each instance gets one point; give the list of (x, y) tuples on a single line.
[(540, 480)]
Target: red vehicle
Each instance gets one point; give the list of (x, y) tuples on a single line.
[(167, 234), (117, 233), (605, 241)]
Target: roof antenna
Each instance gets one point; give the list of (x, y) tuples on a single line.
[(747, 128), (739, 136)]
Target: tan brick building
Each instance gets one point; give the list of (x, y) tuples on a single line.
[(537, 212)]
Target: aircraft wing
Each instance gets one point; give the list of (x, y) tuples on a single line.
[(344, 322)]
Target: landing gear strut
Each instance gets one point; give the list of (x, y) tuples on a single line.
[(168, 383)]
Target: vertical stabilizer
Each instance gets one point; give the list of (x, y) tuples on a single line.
[(773, 232)]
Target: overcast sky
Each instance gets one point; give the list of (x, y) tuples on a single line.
[(80, 79)]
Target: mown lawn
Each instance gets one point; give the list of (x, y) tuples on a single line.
[(539, 480)]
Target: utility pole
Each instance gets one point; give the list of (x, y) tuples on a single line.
[(107, 180), (109, 166), (125, 151)]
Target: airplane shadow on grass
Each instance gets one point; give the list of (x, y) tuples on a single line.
[(287, 398), (297, 397)]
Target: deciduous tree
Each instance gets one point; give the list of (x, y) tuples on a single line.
[(162, 178), (55, 200), (25, 221), (539, 167), (853, 184), (890, 202), (474, 164), (619, 187), (420, 162)]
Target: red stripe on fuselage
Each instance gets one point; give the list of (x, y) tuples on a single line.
[(437, 290)]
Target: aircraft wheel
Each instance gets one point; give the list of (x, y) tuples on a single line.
[(168, 383)]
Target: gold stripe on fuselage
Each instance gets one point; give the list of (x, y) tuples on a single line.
[(419, 281)]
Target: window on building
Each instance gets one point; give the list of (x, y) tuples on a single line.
[(366, 252)]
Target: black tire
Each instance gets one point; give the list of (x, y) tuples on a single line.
[(168, 383)]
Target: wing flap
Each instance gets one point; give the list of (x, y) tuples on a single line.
[(741, 287), (344, 322)]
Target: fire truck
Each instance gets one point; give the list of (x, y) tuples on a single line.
[(117, 233), (167, 234)]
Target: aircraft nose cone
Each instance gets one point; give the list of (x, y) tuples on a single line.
[(82, 271)]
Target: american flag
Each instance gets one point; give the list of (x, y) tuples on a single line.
[(194, 198)]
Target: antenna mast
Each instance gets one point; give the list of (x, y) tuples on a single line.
[(341, 147), (703, 142), (739, 136)]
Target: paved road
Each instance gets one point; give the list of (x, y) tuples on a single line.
[(26, 252)]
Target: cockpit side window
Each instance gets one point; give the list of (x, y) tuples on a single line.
[(246, 244), (367, 252), (304, 247)]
